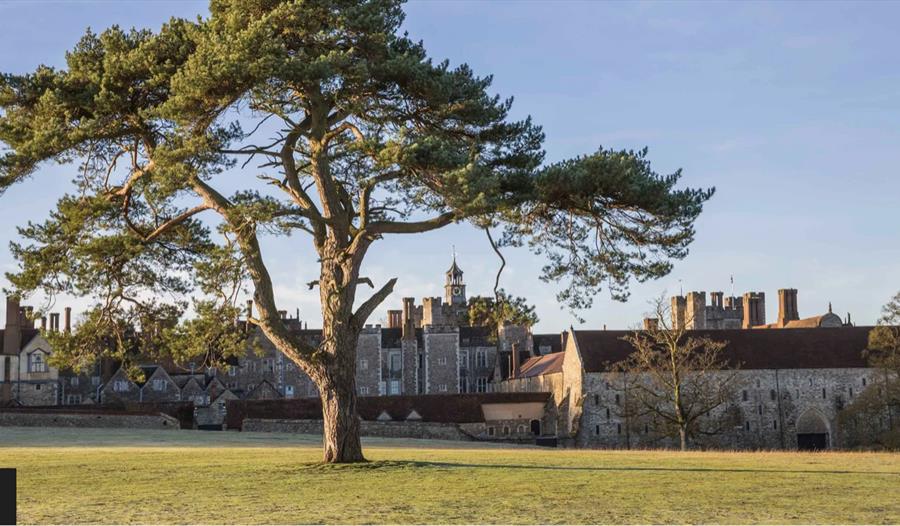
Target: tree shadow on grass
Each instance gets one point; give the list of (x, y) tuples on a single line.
[(403, 465)]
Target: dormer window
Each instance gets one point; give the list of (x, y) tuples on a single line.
[(36, 363)]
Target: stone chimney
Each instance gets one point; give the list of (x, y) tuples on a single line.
[(409, 324), (679, 310), (696, 310), (12, 335), (514, 361), (754, 309), (651, 324), (54, 321), (787, 306), (67, 320), (395, 319)]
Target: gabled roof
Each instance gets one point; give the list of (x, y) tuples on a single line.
[(541, 365), (820, 348), (28, 334)]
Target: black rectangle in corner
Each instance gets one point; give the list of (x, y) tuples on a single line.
[(7, 496)]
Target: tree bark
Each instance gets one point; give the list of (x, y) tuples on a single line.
[(682, 434), (341, 420)]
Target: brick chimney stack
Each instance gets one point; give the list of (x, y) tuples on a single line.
[(651, 324), (409, 324), (696, 310), (12, 335), (679, 310), (754, 309), (787, 306), (54, 321), (67, 320), (514, 361)]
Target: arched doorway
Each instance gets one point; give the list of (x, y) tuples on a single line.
[(536, 428), (812, 432)]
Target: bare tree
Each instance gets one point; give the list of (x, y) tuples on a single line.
[(677, 380)]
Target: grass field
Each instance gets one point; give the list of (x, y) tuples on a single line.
[(106, 476)]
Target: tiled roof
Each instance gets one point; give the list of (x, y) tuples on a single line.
[(27, 335), (819, 348), (541, 365)]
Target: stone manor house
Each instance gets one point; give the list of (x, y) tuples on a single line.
[(794, 378), (426, 349)]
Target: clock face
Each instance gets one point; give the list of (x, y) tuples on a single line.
[(456, 291)]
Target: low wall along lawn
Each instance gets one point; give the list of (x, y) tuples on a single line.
[(84, 419), (389, 429)]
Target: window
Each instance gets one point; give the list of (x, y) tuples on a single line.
[(481, 385), (864, 382), (744, 395), (442, 388), (250, 365), (159, 384), (363, 390), (851, 392), (520, 429), (619, 429), (491, 431), (419, 362), (364, 364), (269, 365), (774, 424), (607, 413), (36, 363), (646, 429), (772, 394), (617, 398), (289, 391), (596, 399), (442, 360), (95, 381), (120, 386), (759, 409), (395, 387), (395, 362), (463, 384), (37, 387), (597, 429), (73, 399), (463, 359), (823, 392), (232, 370), (73, 381), (506, 430), (545, 349), (480, 358), (747, 425)]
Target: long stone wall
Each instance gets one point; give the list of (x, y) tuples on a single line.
[(23, 419), (428, 430)]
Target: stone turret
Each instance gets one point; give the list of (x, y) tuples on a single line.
[(754, 309), (787, 306)]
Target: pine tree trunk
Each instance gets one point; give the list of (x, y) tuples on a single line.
[(341, 420)]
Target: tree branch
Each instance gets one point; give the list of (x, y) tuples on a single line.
[(365, 310)]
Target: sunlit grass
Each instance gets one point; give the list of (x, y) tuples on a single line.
[(193, 477)]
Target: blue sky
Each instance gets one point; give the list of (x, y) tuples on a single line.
[(789, 109)]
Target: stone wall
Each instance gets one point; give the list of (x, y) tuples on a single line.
[(768, 409), (441, 366), (429, 430), (126, 421)]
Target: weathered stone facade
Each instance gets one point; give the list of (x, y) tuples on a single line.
[(787, 393)]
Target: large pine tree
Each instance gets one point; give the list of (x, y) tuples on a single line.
[(341, 129)]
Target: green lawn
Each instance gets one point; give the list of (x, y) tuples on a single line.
[(105, 476)]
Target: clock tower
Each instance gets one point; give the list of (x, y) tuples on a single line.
[(455, 288)]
